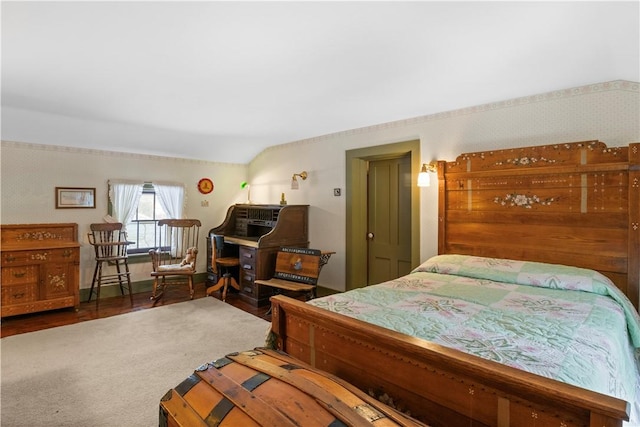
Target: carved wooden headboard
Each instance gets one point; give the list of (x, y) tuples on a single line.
[(573, 203)]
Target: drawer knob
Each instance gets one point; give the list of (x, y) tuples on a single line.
[(10, 258), (247, 267), (20, 274), (67, 253), (18, 296), (247, 255)]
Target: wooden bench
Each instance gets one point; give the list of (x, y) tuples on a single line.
[(297, 270)]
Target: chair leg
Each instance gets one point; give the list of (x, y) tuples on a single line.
[(276, 291), (225, 280), (93, 281), (191, 292), (159, 287), (155, 288), (128, 273), (229, 281), (120, 278), (214, 288), (233, 282), (99, 285)]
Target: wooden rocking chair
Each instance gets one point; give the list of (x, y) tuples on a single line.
[(175, 260)]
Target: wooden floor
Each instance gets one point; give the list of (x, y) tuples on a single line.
[(113, 306)]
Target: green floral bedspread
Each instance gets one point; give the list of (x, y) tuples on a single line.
[(560, 322)]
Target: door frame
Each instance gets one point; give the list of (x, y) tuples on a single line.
[(357, 162)]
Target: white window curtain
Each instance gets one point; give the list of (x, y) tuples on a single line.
[(171, 197), (124, 196)]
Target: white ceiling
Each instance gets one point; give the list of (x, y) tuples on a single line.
[(223, 80)]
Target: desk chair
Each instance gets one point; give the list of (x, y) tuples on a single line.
[(110, 243), (220, 265), (175, 260)]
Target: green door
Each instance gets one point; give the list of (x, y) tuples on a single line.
[(389, 186)]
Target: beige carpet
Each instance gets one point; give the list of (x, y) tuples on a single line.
[(113, 371)]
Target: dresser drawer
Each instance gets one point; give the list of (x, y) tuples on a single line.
[(40, 255), (19, 257), (66, 255), (17, 294), (19, 275)]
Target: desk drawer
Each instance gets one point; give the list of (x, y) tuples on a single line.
[(247, 282), (247, 258), (248, 286)]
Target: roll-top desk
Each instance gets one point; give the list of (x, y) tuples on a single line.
[(40, 267), (255, 233)]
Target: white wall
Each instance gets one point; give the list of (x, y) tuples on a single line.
[(30, 173), (609, 112)]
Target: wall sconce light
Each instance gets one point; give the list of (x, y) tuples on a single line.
[(424, 179), (294, 180)]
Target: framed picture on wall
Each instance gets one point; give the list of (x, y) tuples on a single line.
[(75, 197)]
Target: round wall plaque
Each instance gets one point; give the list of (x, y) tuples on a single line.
[(205, 186)]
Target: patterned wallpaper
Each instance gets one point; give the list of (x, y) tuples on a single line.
[(608, 111)]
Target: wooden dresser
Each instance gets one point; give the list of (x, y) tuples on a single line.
[(256, 233), (40, 267)]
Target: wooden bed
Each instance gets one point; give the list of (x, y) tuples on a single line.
[(571, 203)]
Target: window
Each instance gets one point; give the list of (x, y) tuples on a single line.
[(141, 205), (142, 230)]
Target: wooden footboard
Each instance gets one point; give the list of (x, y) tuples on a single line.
[(437, 385)]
